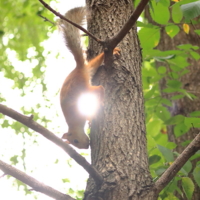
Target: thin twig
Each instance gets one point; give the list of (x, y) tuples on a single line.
[(169, 174), (35, 184), (74, 24), (47, 20), (114, 41), (53, 138)]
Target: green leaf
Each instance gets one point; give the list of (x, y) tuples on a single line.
[(151, 73), (162, 70), (14, 159), (149, 94), (160, 13), (149, 37), (182, 172), (166, 102), (167, 153), (197, 31), (160, 170), (5, 123), (152, 103), (165, 3), (65, 180), (195, 55), (185, 143), (22, 185), (195, 114), (184, 72), (179, 96), (175, 120), (154, 159), (188, 187), (154, 126), (187, 47), (180, 61), (80, 194), (196, 174), (196, 155), (71, 191), (174, 83), (136, 2), (177, 15), (149, 70), (170, 190), (162, 113), (2, 99), (171, 145), (191, 10), (169, 90), (172, 30), (187, 167), (189, 95), (180, 129), (151, 144), (175, 68), (171, 197), (192, 122), (163, 58)]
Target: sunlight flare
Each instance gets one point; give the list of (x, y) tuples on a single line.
[(88, 104)]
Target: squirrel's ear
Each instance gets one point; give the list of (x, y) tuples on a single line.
[(65, 135)]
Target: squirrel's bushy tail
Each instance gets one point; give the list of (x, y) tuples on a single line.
[(72, 34)]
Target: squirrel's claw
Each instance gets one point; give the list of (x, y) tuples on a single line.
[(116, 51)]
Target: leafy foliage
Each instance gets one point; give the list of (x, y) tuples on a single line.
[(22, 31), (161, 153), (191, 10)]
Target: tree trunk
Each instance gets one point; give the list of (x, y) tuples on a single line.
[(118, 136), (190, 82)]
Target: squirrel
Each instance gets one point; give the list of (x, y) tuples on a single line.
[(78, 81)]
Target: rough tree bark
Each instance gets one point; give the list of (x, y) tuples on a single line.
[(118, 140), (190, 82)]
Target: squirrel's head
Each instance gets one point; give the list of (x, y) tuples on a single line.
[(80, 141)]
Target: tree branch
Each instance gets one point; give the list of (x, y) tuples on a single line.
[(74, 24), (53, 138), (47, 20), (169, 174), (114, 41), (36, 185)]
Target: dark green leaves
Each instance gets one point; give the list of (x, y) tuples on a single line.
[(168, 72), (191, 10), (154, 159)]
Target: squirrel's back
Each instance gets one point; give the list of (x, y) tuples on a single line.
[(72, 34)]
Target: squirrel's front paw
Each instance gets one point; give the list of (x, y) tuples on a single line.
[(116, 51)]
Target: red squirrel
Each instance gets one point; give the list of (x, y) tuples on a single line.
[(78, 81)]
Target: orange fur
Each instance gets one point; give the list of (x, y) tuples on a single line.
[(78, 82)]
